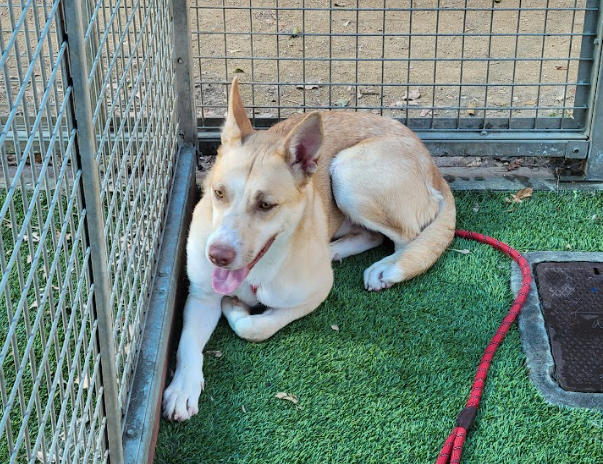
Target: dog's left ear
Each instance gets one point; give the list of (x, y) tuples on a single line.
[(237, 125), (303, 144)]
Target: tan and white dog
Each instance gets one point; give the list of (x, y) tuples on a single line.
[(279, 205)]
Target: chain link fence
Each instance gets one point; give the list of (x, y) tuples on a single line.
[(89, 148)]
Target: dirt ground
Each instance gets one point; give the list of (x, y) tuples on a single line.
[(415, 58)]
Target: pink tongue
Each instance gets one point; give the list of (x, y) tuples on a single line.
[(225, 281)]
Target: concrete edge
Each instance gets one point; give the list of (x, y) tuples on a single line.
[(534, 338), (141, 422)]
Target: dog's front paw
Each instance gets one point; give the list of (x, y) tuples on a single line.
[(181, 398), (240, 319)]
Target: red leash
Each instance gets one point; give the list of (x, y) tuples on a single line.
[(453, 447)]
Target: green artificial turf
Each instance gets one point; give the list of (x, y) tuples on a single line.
[(388, 385)]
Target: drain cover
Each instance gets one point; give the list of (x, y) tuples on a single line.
[(571, 295)]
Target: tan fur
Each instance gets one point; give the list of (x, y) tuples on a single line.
[(283, 203)]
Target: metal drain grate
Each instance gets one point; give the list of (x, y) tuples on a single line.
[(571, 294)]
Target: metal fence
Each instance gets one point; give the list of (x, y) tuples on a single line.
[(101, 106), (472, 77), (89, 139)]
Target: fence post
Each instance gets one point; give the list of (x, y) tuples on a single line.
[(594, 161), (75, 24), (185, 89)]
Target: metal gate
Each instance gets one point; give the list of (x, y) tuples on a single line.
[(494, 79), (92, 150)]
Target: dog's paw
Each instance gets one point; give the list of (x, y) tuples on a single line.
[(181, 398), (381, 275), (239, 317)]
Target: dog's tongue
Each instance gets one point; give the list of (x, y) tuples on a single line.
[(225, 281)]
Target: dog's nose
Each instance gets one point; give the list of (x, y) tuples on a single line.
[(221, 255)]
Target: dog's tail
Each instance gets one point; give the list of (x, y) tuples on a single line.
[(422, 252)]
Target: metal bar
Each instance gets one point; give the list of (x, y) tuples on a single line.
[(594, 163), (144, 407), (86, 141), (185, 91)]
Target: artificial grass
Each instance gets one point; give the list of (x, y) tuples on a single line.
[(388, 385)]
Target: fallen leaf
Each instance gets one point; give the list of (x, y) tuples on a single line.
[(346, 23), (425, 112), (34, 305), (307, 87), (339, 5), (215, 354), (561, 67), (529, 103), (568, 246), (287, 396), (28, 259), (476, 162), (518, 197), (525, 193), (243, 409), (238, 71), (85, 383), (342, 103), (335, 327), (233, 51), (464, 251), (414, 94), (515, 164), (476, 208), (470, 110), (560, 98), (295, 32)]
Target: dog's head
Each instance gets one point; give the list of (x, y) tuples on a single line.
[(257, 188)]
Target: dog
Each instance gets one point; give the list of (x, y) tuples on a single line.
[(280, 205)]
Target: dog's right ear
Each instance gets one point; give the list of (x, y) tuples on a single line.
[(237, 125), (303, 145)]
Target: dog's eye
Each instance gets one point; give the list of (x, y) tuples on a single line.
[(265, 206), (219, 194)]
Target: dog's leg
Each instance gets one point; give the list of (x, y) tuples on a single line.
[(259, 327), (181, 398), (357, 240), (391, 185)]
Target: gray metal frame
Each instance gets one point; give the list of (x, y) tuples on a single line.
[(98, 155)]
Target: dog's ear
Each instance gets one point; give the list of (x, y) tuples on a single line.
[(303, 145), (237, 125)]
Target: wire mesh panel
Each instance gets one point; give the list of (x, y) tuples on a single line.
[(54, 404), (438, 65), (131, 80), (51, 395)]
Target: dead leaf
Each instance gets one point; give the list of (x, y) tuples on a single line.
[(463, 251), (335, 327), (295, 32), (529, 103), (307, 87), (515, 164), (568, 246), (561, 67), (243, 409), (425, 112), (238, 71), (476, 208), (287, 396), (342, 103), (560, 98), (470, 110), (476, 162), (85, 383), (414, 94), (518, 197), (34, 305), (339, 5), (233, 51), (28, 259), (346, 23), (215, 354)]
